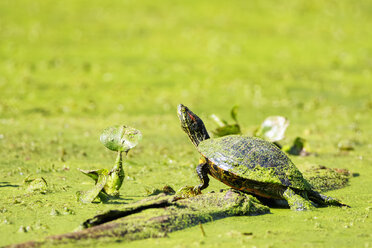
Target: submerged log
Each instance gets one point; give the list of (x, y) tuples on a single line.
[(156, 216)]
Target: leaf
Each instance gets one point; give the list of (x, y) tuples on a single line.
[(218, 120), (114, 179), (91, 195), (120, 138), (94, 174), (299, 147), (224, 128), (234, 113), (273, 128), (227, 130), (36, 185)]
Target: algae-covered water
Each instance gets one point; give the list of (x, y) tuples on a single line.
[(69, 69)]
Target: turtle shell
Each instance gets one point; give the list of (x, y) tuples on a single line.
[(254, 159)]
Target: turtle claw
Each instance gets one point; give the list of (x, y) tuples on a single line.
[(197, 190), (188, 191)]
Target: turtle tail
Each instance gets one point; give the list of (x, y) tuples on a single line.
[(324, 200)]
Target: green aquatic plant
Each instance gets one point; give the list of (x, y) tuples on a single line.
[(119, 138), (224, 128), (35, 185), (300, 147), (273, 129)]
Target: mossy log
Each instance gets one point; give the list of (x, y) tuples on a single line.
[(156, 216)]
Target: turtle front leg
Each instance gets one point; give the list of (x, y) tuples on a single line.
[(296, 202), (202, 171)]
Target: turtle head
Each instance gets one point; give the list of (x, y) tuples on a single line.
[(192, 125)]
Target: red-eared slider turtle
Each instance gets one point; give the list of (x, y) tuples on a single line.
[(248, 164)]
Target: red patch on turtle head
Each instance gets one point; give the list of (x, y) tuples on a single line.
[(192, 117)]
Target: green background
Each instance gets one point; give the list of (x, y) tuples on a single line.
[(68, 69)]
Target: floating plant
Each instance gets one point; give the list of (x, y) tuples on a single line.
[(120, 139), (224, 128)]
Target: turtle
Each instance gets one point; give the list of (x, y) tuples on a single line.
[(250, 165)]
